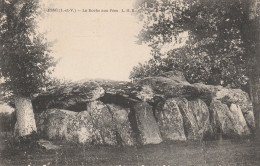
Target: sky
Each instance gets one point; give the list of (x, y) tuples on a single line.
[(93, 44)]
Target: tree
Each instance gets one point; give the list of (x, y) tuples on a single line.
[(24, 57), (251, 35), (222, 41), (200, 59)]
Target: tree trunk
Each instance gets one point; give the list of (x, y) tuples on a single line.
[(25, 117), (257, 121), (253, 41), (255, 86), (256, 94)]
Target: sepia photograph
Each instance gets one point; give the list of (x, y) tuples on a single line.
[(129, 82)]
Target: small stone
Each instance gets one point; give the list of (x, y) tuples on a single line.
[(47, 145)]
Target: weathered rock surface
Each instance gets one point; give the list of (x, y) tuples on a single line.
[(123, 128), (150, 110), (123, 88), (169, 88), (228, 96), (68, 95), (239, 120), (196, 118), (146, 124), (202, 117), (102, 122), (170, 120), (146, 94), (53, 123), (228, 121), (95, 126), (239, 98)]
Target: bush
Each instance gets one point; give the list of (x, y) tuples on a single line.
[(7, 121)]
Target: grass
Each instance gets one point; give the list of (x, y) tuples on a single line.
[(227, 152)]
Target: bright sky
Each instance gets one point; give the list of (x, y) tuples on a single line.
[(94, 45)]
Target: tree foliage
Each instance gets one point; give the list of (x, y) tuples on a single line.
[(217, 47), (24, 53)]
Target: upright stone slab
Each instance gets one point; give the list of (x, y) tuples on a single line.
[(84, 128), (239, 98), (146, 124), (170, 120), (190, 125), (123, 129), (196, 118), (239, 120), (94, 126), (229, 121), (202, 117), (53, 124), (103, 125)]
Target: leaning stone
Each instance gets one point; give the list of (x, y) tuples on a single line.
[(201, 115), (222, 118), (250, 120), (122, 124), (239, 98), (228, 121), (103, 125), (170, 120), (239, 120), (146, 123), (196, 118)]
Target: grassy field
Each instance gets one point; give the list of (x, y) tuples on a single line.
[(228, 152)]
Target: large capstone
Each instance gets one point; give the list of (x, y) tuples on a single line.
[(71, 96)]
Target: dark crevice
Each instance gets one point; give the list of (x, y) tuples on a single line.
[(126, 103), (118, 100), (78, 107), (119, 139), (186, 126), (134, 126), (158, 107)]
